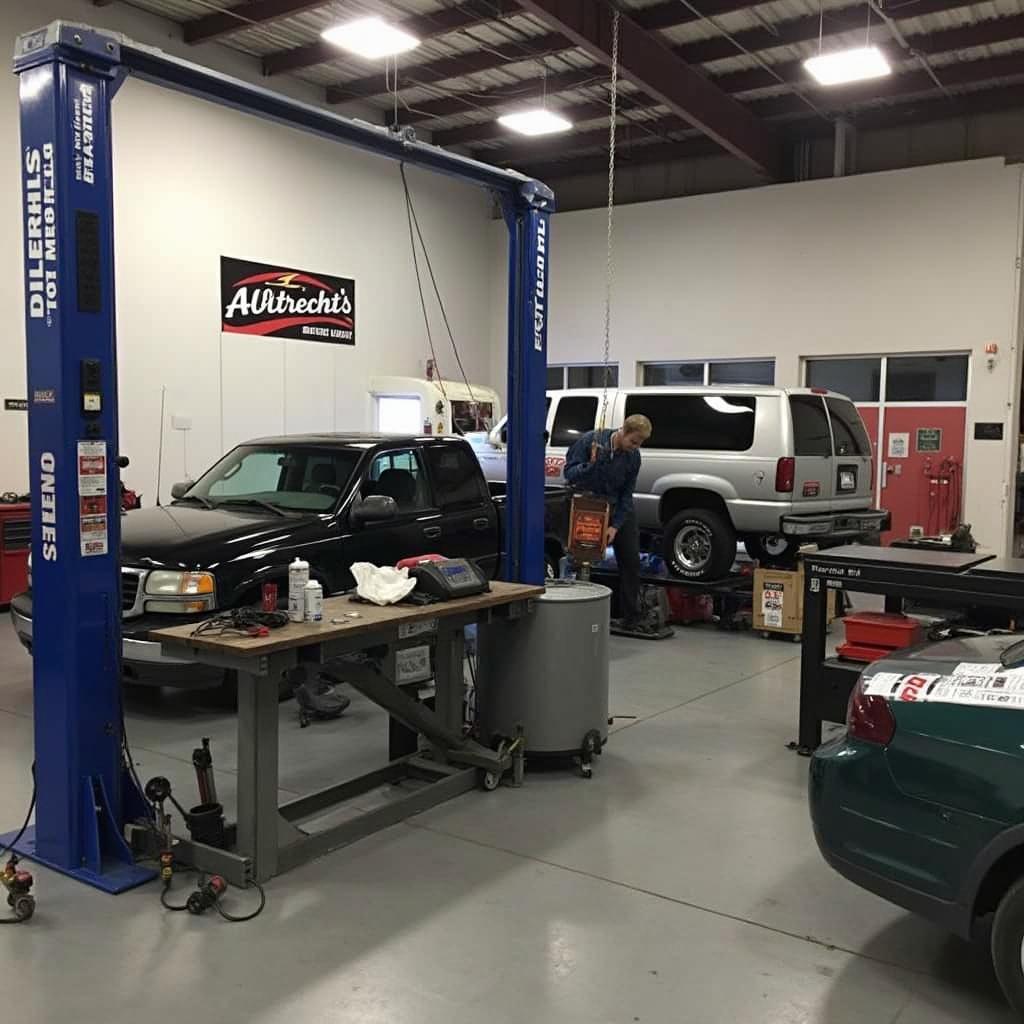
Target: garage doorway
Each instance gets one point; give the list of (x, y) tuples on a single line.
[(915, 411)]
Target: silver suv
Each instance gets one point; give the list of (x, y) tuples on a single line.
[(775, 467)]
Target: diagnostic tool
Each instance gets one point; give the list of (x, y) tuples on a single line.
[(450, 578)]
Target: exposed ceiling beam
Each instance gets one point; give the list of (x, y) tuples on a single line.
[(553, 147), (910, 113), (449, 67), (948, 40), (670, 13), (805, 29), (241, 16), (651, 66), (502, 94), (423, 26), (898, 89)]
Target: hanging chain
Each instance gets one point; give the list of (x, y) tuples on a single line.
[(611, 211)]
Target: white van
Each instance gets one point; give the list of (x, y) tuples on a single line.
[(771, 466), (415, 405)]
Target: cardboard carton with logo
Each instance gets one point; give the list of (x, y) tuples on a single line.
[(779, 601)]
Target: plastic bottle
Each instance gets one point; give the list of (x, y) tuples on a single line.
[(298, 577), (314, 601)]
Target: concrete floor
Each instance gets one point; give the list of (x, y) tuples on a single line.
[(681, 884)]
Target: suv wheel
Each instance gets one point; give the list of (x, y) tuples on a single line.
[(699, 544), (772, 548), (1008, 946)]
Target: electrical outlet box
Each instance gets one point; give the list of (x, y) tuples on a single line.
[(181, 422)]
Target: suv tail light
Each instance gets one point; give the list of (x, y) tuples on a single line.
[(869, 717), (785, 472)]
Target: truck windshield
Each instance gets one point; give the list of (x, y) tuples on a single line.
[(293, 478)]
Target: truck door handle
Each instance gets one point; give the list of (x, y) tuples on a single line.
[(482, 523), (431, 532)]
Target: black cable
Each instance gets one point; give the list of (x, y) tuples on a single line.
[(170, 906), (239, 622), (419, 281), (245, 917), (28, 817)]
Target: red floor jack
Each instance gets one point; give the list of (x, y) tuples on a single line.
[(18, 884)]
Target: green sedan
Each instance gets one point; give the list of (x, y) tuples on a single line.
[(922, 799)]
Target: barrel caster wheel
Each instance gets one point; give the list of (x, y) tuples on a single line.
[(490, 781), (591, 746), (24, 907)]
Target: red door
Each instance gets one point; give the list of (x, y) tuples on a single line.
[(922, 460)]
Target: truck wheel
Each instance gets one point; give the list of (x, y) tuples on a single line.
[(699, 544), (772, 549), (1008, 946)]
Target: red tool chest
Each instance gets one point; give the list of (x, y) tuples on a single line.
[(15, 544)]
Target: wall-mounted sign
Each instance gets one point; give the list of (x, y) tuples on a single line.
[(15, 405), (929, 439), (279, 302), (988, 431), (899, 446)]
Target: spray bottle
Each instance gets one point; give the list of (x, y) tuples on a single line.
[(298, 577)]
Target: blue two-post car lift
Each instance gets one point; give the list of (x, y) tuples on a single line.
[(69, 75)]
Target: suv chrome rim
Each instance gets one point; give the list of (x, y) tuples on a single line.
[(692, 547)]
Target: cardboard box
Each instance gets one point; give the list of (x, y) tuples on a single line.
[(779, 601)]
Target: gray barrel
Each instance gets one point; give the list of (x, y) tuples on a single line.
[(548, 671)]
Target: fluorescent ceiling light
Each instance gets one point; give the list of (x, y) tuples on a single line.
[(535, 122), (370, 38), (843, 66)]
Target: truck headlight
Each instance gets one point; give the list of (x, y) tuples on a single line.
[(181, 592)]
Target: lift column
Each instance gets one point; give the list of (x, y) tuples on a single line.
[(68, 76)]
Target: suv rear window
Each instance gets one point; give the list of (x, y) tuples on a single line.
[(811, 435), (848, 429), (574, 416), (707, 423)]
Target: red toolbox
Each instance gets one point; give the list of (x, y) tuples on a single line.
[(685, 607), (874, 635), (15, 544)]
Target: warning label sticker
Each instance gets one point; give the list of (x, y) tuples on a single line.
[(93, 530), (92, 498), (773, 597), (998, 689)]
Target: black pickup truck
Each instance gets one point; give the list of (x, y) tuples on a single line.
[(331, 499)]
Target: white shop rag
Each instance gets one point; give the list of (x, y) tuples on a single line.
[(382, 584)]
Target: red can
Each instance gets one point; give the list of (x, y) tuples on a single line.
[(270, 597)]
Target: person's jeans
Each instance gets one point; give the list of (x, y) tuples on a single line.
[(627, 557)]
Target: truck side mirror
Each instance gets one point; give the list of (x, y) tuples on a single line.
[(179, 490), (377, 508)]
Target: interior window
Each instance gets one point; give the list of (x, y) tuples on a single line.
[(710, 423), (811, 435), (398, 474), (574, 416), (859, 379), (457, 477), (848, 429)]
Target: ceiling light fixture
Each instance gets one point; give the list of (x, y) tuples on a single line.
[(539, 121), (844, 66), (370, 38)]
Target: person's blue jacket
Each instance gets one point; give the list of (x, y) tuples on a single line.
[(612, 475)]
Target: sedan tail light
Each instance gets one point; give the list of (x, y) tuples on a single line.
[(785, 473), (869, 717)]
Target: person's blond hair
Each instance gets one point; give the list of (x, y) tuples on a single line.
[(637, 424)]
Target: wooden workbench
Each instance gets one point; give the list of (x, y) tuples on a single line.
[(269, 839)]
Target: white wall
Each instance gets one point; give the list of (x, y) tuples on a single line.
[(903, 261), (194, 181)]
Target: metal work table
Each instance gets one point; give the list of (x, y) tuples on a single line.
[(899, 574), (268, 839)]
